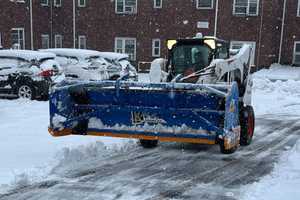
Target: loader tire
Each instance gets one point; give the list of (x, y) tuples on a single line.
[(148, 143), (247, 121), (226, 151)]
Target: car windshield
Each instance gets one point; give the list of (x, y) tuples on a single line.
[(92, 58), (34, 62), (190, 58), (113, 61), (123, 59), (13, 62)]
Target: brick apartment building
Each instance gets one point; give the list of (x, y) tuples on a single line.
[(140, 27)]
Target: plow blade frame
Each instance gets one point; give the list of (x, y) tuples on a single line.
[(181, 112)]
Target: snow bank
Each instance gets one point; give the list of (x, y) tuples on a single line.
[(282, 183), (276, 97), (279, 72), (277, 90)]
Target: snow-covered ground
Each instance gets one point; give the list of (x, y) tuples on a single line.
[(277, 92), (27, 148), (276, 97), (282, 183), (25, 144)]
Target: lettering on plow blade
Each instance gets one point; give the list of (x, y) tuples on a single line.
[(138, 118)]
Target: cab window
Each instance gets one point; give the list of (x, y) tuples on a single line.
[(222, 51), (190, 58)]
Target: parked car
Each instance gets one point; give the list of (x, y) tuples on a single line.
[(27, 74), (123, 60), (85, 64)]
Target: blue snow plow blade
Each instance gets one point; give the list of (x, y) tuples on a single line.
[(181, 112)]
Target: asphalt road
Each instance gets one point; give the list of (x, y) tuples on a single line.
[(171, 171)]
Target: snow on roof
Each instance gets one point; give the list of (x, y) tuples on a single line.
[(26, 54), (79, 53), (113, 55)]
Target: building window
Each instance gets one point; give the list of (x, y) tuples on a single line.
[(296, 57), (81, 3), (205, 4), (236, 45), (298, 10), (127, 46), (58, 41), (82, 42), (44, 2), (126, 6), (57, 3), (45, 41), (245, 7), (157, 3), (156, 47), (17, 38)]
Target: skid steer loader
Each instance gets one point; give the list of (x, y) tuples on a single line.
[(198, 95)]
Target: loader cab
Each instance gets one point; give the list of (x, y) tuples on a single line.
[(191, 55)]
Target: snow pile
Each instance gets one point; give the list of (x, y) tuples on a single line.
[(81, 153), (74, 158), (276, 97), (28, 177), (279, 72), (282, 183)]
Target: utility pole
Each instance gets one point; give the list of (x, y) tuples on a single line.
[(282, 31), (51, 24), (216, 18), (31, 26), (260, 35), (74, 24)]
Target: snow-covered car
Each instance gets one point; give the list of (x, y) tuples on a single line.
[(123, 60), (85, 64), (27, 74)]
